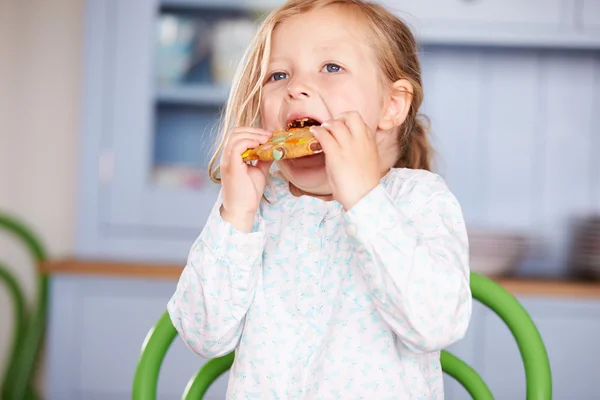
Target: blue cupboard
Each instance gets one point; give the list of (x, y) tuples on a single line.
[(152, 95)]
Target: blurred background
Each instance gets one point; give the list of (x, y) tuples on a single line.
[(107, 120)]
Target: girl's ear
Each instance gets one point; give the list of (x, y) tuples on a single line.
[(397, 105)]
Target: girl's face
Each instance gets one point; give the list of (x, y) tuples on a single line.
[(321, 65)]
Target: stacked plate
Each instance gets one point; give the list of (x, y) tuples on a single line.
[(586, 246), (495, 253)]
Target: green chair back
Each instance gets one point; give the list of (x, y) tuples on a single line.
[(495, 297), (29, 325)]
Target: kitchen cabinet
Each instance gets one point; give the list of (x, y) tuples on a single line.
[(535, 23), (569, 329), (466, 350), (96, 330), (135, 201), (589, 14), (157, 76), (498, 12), (152, 95), (97, 326)]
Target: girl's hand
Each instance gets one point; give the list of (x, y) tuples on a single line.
[(352, 159), (243, 185)]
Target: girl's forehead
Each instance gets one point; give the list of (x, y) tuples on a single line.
[(326, 27)]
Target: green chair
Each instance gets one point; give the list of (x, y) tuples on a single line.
[(29, 325), (491, 294)]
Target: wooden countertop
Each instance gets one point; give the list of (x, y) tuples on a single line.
[(517, 286)]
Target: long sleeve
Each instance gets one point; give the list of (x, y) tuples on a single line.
[(217, 286), (414, 256)]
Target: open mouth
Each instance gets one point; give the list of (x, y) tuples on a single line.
[(302, 123)]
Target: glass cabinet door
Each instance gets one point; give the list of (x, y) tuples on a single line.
[(173, 65)]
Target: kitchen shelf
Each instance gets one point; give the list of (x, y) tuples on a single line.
[(193, 94), (247, 5), (515, 285)]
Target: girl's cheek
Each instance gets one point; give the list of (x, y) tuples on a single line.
[(269, 113)]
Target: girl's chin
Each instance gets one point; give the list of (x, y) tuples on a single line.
[(307, 173)]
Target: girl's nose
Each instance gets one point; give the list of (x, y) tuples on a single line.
[(297, 90)]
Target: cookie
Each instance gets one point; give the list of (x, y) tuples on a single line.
[(293, 143)]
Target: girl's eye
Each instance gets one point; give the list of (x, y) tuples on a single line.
[(278, 76), (332, 68)]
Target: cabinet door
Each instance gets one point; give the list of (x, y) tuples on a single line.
[(134, 200), (467, 350), (95, 335), (570, 330), (590, 16), (491, 22), (482, 13), (150, 109)]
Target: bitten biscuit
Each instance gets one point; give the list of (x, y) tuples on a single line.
[(294, 143)]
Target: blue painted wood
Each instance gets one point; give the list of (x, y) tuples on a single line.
[(220, 4), (64, 311), (454, 105), (570, 329), (97, 237), (97, 47), (134, 201), (97, 329), (502, 134), (568, 181), (132, 108), (467, 350), (531, 24), (510, 127), (595, 145), (590, 16), (202, 95), (515, 23), (184, 136), (516, 13), (98, 325), (496, 119)]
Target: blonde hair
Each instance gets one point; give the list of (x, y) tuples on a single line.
[(396, 50)]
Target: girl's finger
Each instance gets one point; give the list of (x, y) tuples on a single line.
[(259, 131), (236, 142), (355, 123), (233, 153), (234, 138), (327, 141), (339, 131)]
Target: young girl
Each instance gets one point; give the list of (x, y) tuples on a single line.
[(339, 275)]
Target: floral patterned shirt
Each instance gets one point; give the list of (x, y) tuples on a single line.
[(322, 303)]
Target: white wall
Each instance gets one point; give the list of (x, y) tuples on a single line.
[(40, 61)]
